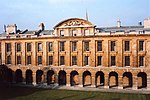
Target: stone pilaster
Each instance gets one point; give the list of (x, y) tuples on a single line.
[(44, 53), (34, 53), (106, 53), (134, 57), (3, 52), (80, 51), (68, 80), (13, 51), (23, 50), (23, 77), (120, 82), (56, 49), (148, 82), (67, 57), (93, 54), (34, 78), (93, 81), (106, 83), (80, 81), (135, 84)]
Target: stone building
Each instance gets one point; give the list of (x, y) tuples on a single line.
[(78, 53)]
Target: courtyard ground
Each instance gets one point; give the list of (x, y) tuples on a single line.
[(9, 92)]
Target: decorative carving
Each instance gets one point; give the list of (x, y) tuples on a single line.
[(74, 23)]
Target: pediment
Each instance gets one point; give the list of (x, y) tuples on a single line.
[(74, 22)]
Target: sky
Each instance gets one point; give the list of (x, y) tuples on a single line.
[(28, 14)]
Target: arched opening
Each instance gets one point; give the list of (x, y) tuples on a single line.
[(99, 79), (50, 77), (1, 76), (18, 75), (113, 79), (39, 74), (87, 79), (62, 77), (29, 78), (142, 80), (9, 76), (3, 73), (74, 80), (127, 80)]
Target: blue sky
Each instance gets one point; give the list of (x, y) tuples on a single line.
[(27, 14)]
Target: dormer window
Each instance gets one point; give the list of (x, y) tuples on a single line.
[(61, 32), (74, 33)]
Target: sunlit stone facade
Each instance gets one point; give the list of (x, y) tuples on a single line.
[(78, 53)]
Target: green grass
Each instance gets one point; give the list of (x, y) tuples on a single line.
[(21, 93)]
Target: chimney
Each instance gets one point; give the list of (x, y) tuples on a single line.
[(139, 23), (41, 26), (119, 23), (147, 23), (11, 28)]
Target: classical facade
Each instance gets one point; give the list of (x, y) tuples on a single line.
[(78, 53)]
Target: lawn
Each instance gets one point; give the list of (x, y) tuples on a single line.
[(22, 93)]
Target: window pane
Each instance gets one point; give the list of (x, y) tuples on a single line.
[(8, 47), (62, 46), (141, 45), (74, 46), (28, 47), (62, 60), (113, 60), (28, 60), (61, 32), (113, 46), (18, 59), (99, 60), (141, 61), (50, 45), (8, 59), (127, 60), (50, 60), (127, 46), (86, 46), (74, 60), (99, 46), (86, 59), (18, 47), (39, 60), (39, 46)]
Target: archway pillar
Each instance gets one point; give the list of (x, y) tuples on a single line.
[(120, 82), (106, 83), (80, 80), (13, 77), (93, 81), (135, 84), (34, 78), (56, 79), (148, 82), (44, 78), (68, 80), (23, 77)]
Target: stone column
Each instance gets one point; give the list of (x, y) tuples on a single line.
[(68, 80), (134, 57), (67, 57), (120, 53), (106, 83), (44, 78), (13, 77), (34, 78), (93, 81), (134, 83), (120, 82), (56, 55)]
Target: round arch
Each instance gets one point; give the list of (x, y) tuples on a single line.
[(18, 75), (50, 77), (142, 80), (127, 79), (113, 79), (74, 79), (62, 77), (29, 77), (87, 79), (39, 74), (99, 79)]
